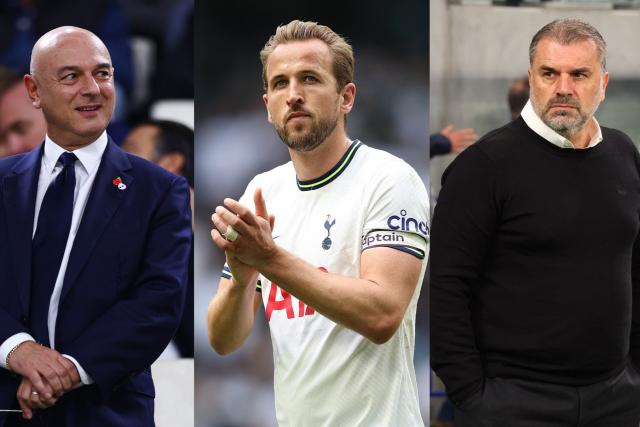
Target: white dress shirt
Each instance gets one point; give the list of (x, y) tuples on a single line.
[(536, 124), (86, 168)]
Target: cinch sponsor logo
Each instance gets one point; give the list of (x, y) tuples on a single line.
[(405, 223), (378, 238)]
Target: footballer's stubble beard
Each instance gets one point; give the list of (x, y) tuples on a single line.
[(304, 141)]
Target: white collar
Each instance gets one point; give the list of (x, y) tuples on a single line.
[(89, 155), (538, 126)]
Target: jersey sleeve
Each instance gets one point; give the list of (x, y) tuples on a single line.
[(246, 200), (398, 213)]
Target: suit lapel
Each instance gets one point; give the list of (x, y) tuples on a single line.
[(19, 189), (103, 202)]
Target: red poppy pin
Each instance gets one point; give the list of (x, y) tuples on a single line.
[(118, 183)]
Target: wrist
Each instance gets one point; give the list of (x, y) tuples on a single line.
[(269, 261), (11, 354)]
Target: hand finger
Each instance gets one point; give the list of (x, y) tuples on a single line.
[(272, 221), (221, 242), (237, 222), (63, 374), (51, 377), (72, 372), (24, 394), (27, 413), (41, 403), (261, 205), (241, 211), (39, 385), (223, 218)]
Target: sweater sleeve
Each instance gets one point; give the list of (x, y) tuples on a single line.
[(464, 223), (439, 145), (634, 346), (635, 305)]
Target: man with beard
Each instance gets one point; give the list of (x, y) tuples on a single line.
[(535, 279), (338, 258)]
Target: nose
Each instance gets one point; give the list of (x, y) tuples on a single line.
[(295, 94), (90, 86), (564, 85)]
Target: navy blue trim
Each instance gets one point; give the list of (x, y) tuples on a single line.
[(334, 172), (404, 248)]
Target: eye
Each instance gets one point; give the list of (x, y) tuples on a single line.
[(104, 74), (310, 79), (280, 83), (69, 77)]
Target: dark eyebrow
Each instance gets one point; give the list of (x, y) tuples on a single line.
[(276, 77), (76, 68), (583, 70)]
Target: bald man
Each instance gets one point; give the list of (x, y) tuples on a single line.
[(94, 256)]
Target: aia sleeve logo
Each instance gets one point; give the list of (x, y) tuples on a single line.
[(404, 223), (286, 303)]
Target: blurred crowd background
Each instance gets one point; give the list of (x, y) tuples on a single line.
[(479, 60), (234, 142)]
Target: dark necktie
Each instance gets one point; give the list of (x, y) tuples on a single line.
[(54, 222)]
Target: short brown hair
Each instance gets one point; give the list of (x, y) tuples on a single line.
[(567, 31), (300, 30)]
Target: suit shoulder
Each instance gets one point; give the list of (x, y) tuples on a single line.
[(150, 170), (7, 163)]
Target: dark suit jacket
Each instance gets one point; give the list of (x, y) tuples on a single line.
[(123, 291)]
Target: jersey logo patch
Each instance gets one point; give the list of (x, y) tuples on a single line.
[(326, 243), (406, 223)]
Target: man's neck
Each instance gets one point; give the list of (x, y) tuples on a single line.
[(584, 136), (72, 142), (313, 164)]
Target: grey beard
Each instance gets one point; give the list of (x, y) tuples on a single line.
[(564, 128), (312, 139), (567, 129)]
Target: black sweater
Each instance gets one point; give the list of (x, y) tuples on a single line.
[(532, 274)]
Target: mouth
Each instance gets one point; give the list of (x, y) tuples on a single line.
[(89, 110), (297, 115), (563, 106)]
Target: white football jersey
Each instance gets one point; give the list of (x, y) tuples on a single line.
[(327, 374)]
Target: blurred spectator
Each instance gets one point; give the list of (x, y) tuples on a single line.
[(518, 96), (170, 145), (168, 24), (451, 141), (22, 126), (166, 143)]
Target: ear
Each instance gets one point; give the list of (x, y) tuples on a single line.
[(347, 98), (265, 99), (32, 89), (173, 162), (605, 82)]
